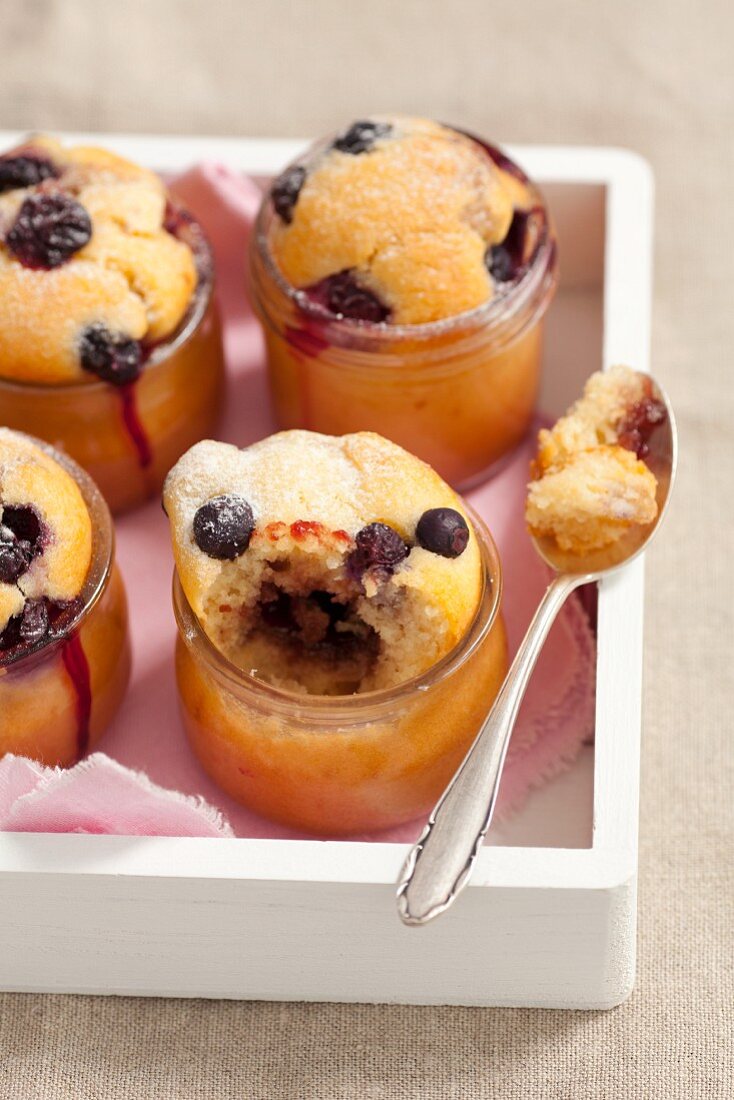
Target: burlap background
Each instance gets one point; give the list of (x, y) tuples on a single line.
[(655, 76)]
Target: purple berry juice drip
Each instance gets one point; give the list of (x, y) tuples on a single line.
[(133, 424), (77, 668), (306, 340)]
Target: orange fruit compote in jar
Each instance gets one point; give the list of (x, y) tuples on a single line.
[(340, 633), (64, 647), (110, 345), (401, 272)]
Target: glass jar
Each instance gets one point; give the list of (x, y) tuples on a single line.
[(128, 437), (57, 699), (341, 764), (460, 393)]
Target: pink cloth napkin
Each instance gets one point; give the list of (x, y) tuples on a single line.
[(98, 795), (557, 715)]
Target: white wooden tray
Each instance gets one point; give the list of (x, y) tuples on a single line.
[(549, 918)]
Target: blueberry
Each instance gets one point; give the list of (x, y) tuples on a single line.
[(25, 170), (223, 527), (20, 541), (500, 264), (443, 531), (285, 191), (638, 424), (48, 230), (112, 357), (176, 220), (509, 260), (342, 295), (15, 556), (24, 522), (361, 136), (34, 622), (379, 548)]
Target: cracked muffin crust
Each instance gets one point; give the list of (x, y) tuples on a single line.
[(93, 267), (320, 564), (45, 545), (590, 484), (404, 221)]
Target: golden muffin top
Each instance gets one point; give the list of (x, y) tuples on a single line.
[(89, 272), (403, 220), (45, 542), (353, 527)]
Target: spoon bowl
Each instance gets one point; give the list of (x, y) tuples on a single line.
[(439, 865)]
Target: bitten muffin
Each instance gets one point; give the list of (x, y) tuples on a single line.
[(45, 545), (320, 564), (403, 220), (590, 484), (95, 264)]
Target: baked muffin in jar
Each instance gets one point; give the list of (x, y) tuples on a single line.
[(64, 648), (401, 271), (110, 346), (340, 634)]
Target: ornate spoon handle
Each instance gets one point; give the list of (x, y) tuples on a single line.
[(438, 867)]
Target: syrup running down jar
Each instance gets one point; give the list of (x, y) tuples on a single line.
[(401, 272), (110, 344), (64, 647)]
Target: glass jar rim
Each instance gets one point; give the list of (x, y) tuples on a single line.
[(161, 352), (337, 709), (100, 566)]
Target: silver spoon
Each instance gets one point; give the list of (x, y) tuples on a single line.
[(440, 864)]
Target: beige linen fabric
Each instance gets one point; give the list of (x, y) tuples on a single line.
[(654, 76)]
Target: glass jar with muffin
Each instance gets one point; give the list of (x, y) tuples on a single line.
[(401, 272), (340, 634), (64, 648), (110, 345)]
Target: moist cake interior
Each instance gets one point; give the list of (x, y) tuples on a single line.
[(302, 618)]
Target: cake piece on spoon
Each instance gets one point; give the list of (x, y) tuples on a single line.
[(590, 484)]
